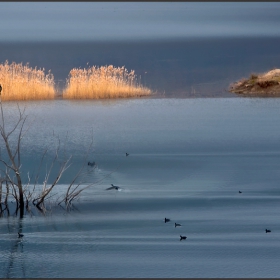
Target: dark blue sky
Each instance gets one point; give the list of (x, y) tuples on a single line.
[(78, 21)]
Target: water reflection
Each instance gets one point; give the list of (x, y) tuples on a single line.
[(15, 258)]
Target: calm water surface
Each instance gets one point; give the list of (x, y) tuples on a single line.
[(188, 160)]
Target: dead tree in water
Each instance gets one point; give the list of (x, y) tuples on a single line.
[(13, 162), (12, 131), (40, 198)]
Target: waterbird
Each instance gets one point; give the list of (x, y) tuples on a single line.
[(240, 191), (177, 225), (20, 235), (267, 230), (91, 163), (126, 154), (166, 220), (113, 188), (183, 237)]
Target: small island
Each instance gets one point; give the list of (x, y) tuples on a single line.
[(267, 84)]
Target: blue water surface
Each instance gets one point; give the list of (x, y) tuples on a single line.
[(188, 160)]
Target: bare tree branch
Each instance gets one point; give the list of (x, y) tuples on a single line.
[(12, 171)]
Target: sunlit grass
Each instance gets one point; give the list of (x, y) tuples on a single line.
[(103, 82), (22, 82)]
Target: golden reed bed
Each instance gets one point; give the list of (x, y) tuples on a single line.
[(21, 82), (25, 83), (103, 82)]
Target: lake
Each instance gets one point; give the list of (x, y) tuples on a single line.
[(198, 155), (188, 160)]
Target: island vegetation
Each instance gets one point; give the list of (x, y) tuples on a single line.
[(103, 82), (22, 82), (267, 84)]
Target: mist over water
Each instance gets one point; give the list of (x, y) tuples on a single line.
[(86, 21)]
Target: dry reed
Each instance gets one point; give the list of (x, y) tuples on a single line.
[(103, 82), (21, 82)]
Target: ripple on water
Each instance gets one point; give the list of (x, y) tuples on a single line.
[(188, 160)]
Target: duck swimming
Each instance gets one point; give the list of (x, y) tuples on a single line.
[(113, 188), (183, 237)]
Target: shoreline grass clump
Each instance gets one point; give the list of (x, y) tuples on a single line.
[(103, 82), (267, 84), (22, 82)]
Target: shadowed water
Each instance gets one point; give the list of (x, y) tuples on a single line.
[(188, 159)]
